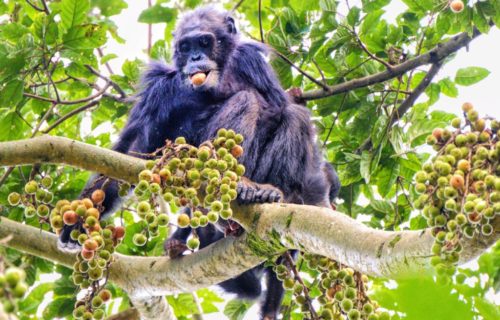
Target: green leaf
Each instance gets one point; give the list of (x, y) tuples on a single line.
[(12, 127), (448, 87), (236, 309), (11, 94), (365, 165), (59, 308), (379, 131), (433, 91), (131, 69), (182, 304), (108, 57), (328, 5), (110, 7), (157, 14), (84, 37), (65, 286), (418, 223), (383, 206), (370, 22), (386, 177), (480, 20), (74, 12), (13, 31), (209, 299), (353, 16), (431, 297), (487, 309), (372, 5), (470, 75), (31, 302)]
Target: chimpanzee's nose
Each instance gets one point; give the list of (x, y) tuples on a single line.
[(195, 57)]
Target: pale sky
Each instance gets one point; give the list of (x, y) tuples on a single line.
[(483, 52)]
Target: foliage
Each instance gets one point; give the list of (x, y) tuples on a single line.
[(55, 78)]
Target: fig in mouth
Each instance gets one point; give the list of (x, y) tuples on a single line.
[(198, 78)]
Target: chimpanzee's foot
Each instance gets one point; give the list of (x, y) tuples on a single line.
[(233, 229), (250, 192), (175, 248)]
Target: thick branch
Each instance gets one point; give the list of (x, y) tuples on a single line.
[(311, 229), (129, 314), (144, 277), (58, 150), (436, 54)]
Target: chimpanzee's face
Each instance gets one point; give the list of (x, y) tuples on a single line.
[(202, 49)]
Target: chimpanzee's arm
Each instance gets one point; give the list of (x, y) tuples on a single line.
[(141, 134)]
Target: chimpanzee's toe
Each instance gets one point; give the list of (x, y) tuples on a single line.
[(175, 248)]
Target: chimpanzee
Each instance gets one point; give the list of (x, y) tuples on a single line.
[(238, 90)]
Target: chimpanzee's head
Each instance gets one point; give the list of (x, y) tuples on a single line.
[(203, 42)]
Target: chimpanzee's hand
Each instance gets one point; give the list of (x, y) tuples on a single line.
[(175, 248), (251, 192)]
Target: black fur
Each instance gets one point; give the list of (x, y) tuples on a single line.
[(247, 97)]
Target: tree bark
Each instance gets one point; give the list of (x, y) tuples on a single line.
[(322, 231)]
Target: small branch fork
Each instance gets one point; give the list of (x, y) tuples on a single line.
[(407, 103), (284, 58), (438, 53)]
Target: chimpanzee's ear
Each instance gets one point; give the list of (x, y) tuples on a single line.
[(231, 28)]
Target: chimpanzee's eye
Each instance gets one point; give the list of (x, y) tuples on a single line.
[(184, 47), (204, 42)]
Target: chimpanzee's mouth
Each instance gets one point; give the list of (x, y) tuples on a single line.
[(199, 78), (199, 72)]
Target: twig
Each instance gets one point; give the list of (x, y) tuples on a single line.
[(305, 74), (236, 6), (69, 102), (36, 85), (70, 114), (44, 118), (291, 263), (260, 22), (108, 66), (45, 7), (335, 119), (365, 49), (319, 70), (150, 32), (407, 103), (108, 80), (34, 6), (6, 175), (410, 100), (4, 241), (199, 315)]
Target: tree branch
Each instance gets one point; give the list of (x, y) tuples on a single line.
[(58, 150), (70, 114), (148, 279), (312, 229), (436, 54), (129, 314), (407, 103), (65, 102)]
